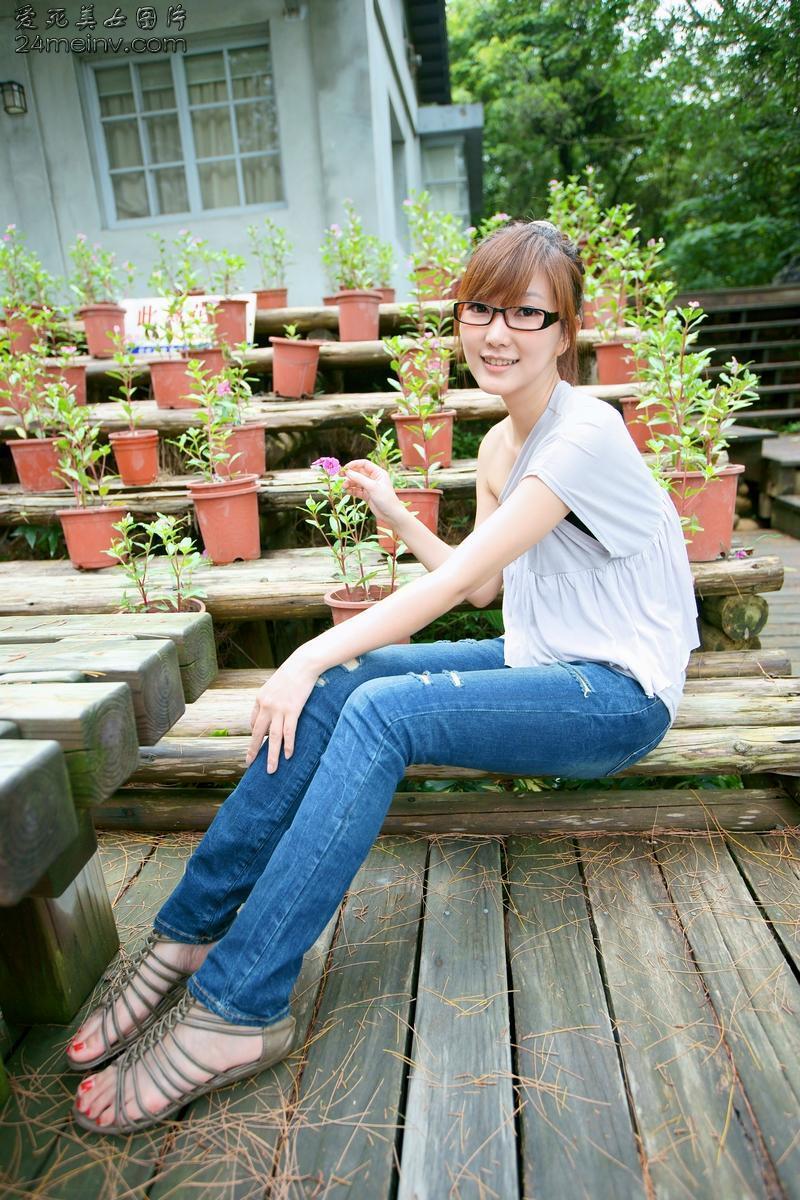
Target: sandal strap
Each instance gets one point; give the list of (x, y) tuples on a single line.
[(145, 958), (155, 1051)]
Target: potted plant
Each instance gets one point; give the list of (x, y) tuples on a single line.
[(294, 364), (226, 508), (89, 526), (181, 266), (95, 280), (184, 331), (134, 550), (346, 253), (26, 287), (691, 461), (575, 208), (342, 521), (246, 442), (385, 453), (439, 247), (383, 257), (272, 251), (423, 368), (229, 314), (37, 410), (135, 450), (61, 358)]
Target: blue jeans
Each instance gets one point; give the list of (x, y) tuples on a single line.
[(281, 852)]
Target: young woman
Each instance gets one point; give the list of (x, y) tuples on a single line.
[(599, 618)]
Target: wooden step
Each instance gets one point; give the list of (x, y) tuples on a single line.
[(282, 583), (149, 668), (37, 815), (191, 633), (786, 514), (93, 723)]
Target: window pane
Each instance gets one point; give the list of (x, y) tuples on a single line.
[(171, 190), (164, 139), (255, 125), (114, 91), (444, 162), (155, 80), (218, 185), (250, 72), (205, 78), (130, 195), (122, 143), (262, 179), (212, 132)]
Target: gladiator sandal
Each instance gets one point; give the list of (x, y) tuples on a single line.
[(145, 967), (158, 1050)]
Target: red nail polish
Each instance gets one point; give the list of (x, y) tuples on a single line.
[(77, 1045), (87, 1085)]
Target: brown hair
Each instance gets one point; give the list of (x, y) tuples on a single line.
[(504, 263)]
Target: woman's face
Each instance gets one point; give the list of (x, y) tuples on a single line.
[(505, 361)]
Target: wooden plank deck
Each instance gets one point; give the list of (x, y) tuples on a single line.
[(782, 630), (567, 1017)]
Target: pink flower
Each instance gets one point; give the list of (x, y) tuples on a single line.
[(10, 228), (694, 304), (81, 237), (502, 216), (331, 466), (223, 387)]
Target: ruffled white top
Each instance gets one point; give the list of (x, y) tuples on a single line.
[(626, 599)]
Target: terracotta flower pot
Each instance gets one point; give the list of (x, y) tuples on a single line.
[(88, 532), (227, 513), (713, 505), (329, 301), (101, 321), (136, 454), (249, 443), (294, 366), (172, 384), (230, 321), (422, 503), (359, 314), (35, 460), (271, 298), (22, 333), (615, 363), (589, 315), (638, 426), (388, 295), (343, 606), (74, 376), (409, 435)]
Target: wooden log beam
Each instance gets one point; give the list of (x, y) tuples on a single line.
[(149, 668), (282, 583), (740, 617), (714, 750), (499, 813), (37, 816), (705, 704), (93, 723), (191, 633), (714, 639), (52, 951)]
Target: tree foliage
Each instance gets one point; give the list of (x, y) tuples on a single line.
[(688, 109)]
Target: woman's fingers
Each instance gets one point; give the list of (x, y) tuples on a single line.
[(275, 737)]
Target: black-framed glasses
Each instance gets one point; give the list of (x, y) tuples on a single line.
[(519, 316)]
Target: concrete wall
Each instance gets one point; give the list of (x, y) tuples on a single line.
[(337, 71)]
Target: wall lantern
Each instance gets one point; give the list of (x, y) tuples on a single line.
[(14, 101)]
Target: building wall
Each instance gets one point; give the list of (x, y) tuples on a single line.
[(339, 75)]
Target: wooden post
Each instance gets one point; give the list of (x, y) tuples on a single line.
[(740, 617)]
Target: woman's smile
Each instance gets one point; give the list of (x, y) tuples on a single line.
[(496, 363)]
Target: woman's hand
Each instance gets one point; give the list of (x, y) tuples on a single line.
[(277, 709), (367, 481)]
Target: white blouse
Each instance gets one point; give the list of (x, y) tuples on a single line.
[(626, 599)]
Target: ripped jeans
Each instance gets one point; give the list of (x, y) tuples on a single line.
[(281, 852)]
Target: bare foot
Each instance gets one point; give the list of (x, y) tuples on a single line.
[(217, 1051), (141, 992)]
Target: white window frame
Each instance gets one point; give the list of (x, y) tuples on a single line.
[(184, 110), (445, 139)]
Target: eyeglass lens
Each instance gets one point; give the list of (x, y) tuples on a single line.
[(522, 317)]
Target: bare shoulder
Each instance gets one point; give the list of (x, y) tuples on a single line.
[(495, 458)]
